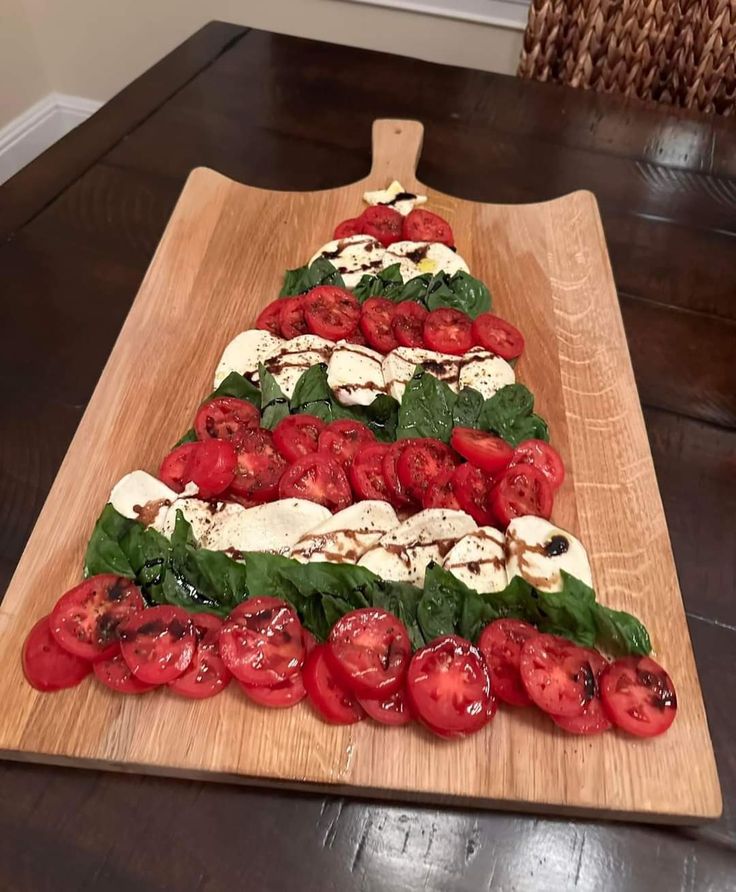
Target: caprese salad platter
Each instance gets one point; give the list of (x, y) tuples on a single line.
[(361, 517)]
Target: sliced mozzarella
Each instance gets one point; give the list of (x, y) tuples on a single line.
[(396, 197), (399, 366), (292, 358), (347, 535), (402, 555), (355, 374), (484, 372), (245, 352), (537, 551), (416, 258), (141, 496), (479, 560), (353, 257)]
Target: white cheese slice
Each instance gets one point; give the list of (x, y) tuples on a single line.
[(355, 374), (399, 366), (479, 560), (245, 352), (347, 535), (390, 197), (292, 358), (353, 257), (416, 258), (141, 496), (484, 372), (537, 550)]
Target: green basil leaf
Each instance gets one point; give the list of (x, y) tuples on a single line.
[(426, 408), (239, 387), (274, 403), (620, 633), (402, 599), (148, 553), (105, 553), (468, 405), (303, 279), (460, 292), (508, 413), (387, 283)]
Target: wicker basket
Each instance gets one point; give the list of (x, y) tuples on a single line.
[(681, 52)]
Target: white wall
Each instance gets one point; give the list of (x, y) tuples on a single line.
[(23, 77)]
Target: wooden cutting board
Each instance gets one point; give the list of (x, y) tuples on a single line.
[(220, 260)]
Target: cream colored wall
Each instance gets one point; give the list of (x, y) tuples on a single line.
[(23, 78), (93, 48)]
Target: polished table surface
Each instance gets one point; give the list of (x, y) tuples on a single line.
[(78, 228)]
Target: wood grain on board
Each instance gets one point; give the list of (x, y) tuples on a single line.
[(222, 258)]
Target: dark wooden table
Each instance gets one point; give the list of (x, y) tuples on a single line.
[(78, 228)]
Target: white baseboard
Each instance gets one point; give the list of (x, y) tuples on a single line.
[(39, 127)]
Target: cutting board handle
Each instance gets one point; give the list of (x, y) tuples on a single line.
[(397, 145)]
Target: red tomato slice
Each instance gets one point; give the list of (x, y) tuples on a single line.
[(259, 467), (421, 463), (369, 652), (638, 696), (448, 331), (407, 323), (383, 223), (115, 674), (261, 642), (207, 674), (269, 318), (292, 321), (208, 463), (392, 711), (593, 719), (472, 489), (521, 490), (297, 435), (85, 620), (557, 675), (46, 665), (331, 312), (498, 336), (439, 493), (544, 457), (449, 687), (158, 643), (226, 418), (325, 692), (489, 453), (375, 323), (500, 643), (366, 473), (424, 226), (399, 496), (344, 439), (353, 226), (357, 337), (288, 692), (317, 478)]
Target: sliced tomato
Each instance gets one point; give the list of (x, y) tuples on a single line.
[(292, 321), (593, 719), (449, 687), (638, 696), (207, 674), (544, 457), (261, 642), (46, 665), (423, 462), (331, 700), (383, 223), (366, 473), (269, 319), (472, 488), (557, 675), (424, 226), (317, 478), (489, 453), (331, 312), (157, 643), (208, 463), (369, 652), (259, 467), (357, 337), (376, 324), (297, 435), (226, 418), (447, 331), (407, 323), (394, 710), (439, 493), (115, 674), (500, 643), (286, 693), (353, 226), (399, 496), (344, 439), (85, 620), (498, 336), (519, 491)]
